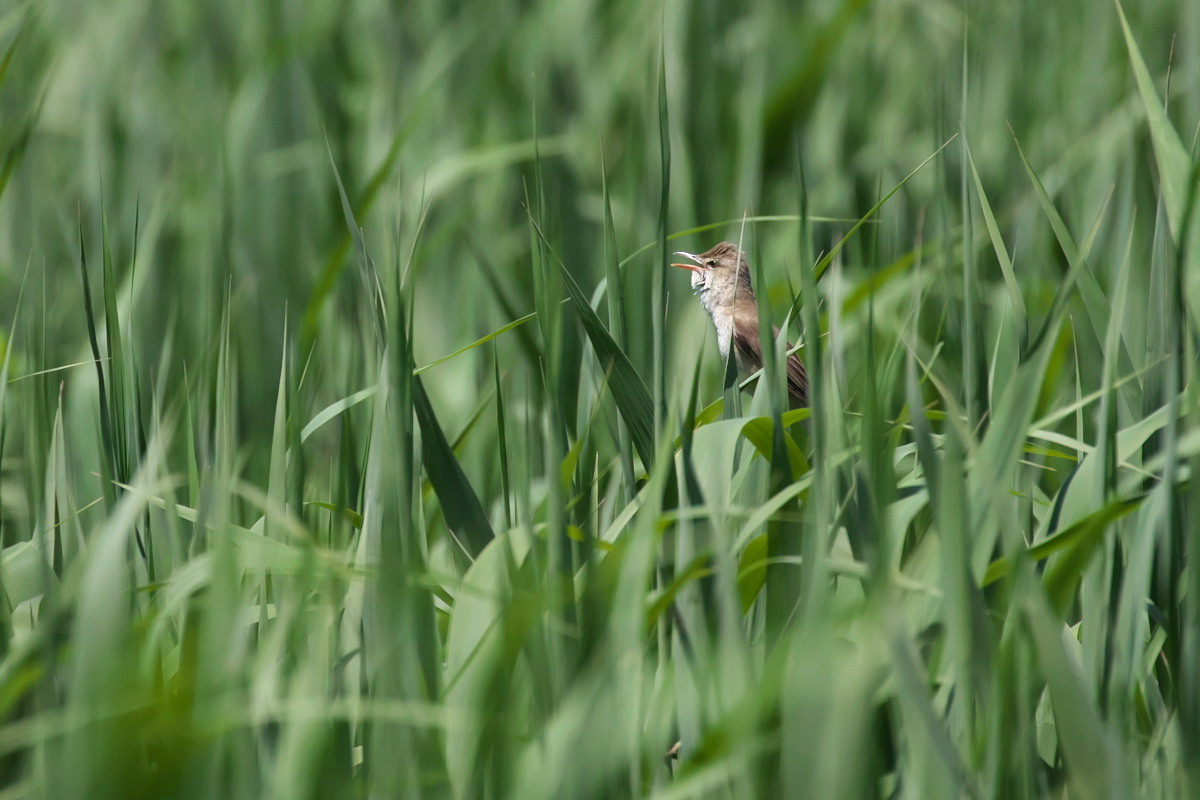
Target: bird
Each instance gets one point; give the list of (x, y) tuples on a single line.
[(721, 278)]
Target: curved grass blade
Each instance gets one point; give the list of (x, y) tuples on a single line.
[(1080, 539), (516, 323), (20, 141), (1093, 766), (464, 513), (1097, 306), (1006, 266), (1174, 166), (824, 263), (334, 409), (335, 262), (460, 504), (628, 388), (107, 464)]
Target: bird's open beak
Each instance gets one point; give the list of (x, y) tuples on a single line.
[(689, 266)]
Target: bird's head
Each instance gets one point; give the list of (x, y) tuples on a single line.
[(719, 276)]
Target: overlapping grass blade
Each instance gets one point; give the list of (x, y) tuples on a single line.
[(1006, 266), (1174, 165), (827, 259), (629, 391)]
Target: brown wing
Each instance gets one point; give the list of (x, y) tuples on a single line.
[(749, 354), (797, 377), (745, 343)]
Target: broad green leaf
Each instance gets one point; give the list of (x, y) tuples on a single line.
[(1093, 765), (752, 571), (25, 572), (476, 646)]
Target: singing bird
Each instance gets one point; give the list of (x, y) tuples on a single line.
[(721, 278)]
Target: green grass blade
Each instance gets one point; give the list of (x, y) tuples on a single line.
[(334, 409), (503, 329), (1174, 166), (1006, 266), (629, 391), (108, 463), (334, 264), (15, 151), (823, 265), (502, 442), (658, 280), (1094, 768), (1078, 273), (278, 466), (117, 383), (616, 316), (460, 503)]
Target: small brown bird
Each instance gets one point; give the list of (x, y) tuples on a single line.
[(721, 277)]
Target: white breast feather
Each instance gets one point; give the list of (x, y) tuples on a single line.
[(724, 326), (722, 322)]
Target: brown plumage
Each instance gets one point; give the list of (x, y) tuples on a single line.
[(721, 278)]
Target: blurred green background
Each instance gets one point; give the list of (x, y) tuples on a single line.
[(253, 548)]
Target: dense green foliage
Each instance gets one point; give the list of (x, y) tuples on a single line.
[(356, 438)]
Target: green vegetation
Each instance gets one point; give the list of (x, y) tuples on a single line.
[(356, 439)]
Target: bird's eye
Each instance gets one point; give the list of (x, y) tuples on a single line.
[(712, 263)]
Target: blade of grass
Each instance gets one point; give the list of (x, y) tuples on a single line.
[(1174, 166), (658, 284), (503, 329), (502, 443), (1006, 268), (823, 265), (616, 319), (629, 391), (1079, 273)]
